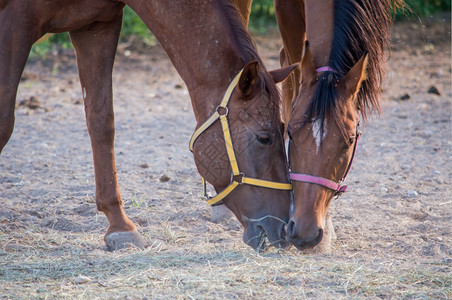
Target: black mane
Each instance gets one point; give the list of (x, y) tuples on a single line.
[(360, 26), (246, 48)]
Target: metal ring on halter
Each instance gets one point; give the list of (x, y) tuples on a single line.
[(223, 107), (234, 176)]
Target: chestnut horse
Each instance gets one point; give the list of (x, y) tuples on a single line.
[(212, 51), (339, 78)]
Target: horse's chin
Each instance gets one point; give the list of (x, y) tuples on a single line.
[(304, 245), (261, 237)]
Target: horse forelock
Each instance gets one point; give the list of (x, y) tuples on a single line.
[(324, 100)]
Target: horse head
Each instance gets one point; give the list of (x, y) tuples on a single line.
[(323, 133), (242, 155)]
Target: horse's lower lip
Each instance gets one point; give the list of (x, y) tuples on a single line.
[(299, 245), (280, 243), (283, 232), (302, 245), (264, 242), (260, 236)]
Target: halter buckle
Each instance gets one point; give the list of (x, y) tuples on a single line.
[(340, 189)]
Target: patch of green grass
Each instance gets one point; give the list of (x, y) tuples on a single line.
[(262, 16), (137, 202), (50, 43), (133, 26), (424, 8)]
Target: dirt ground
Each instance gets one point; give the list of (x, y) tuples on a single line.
[(393, 225)]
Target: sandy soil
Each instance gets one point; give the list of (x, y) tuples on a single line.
[(397, 211)]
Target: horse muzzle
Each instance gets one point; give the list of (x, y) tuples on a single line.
[(261, 235), (303, 239)]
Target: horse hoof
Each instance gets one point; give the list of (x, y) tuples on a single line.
[(220, 213), (125, 239)]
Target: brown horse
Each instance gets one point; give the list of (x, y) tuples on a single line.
[(208, 44), (340, 79)]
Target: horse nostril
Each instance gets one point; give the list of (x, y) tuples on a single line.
[(290, 229)]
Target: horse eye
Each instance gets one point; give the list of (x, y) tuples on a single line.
[(265, 140), (351, 141)]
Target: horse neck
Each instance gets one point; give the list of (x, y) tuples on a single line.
[(320, 29), (200, 44)]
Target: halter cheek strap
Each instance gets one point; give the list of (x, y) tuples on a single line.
[(237, 177)]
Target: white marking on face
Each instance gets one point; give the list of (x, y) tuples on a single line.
[(316, 133), (84, 93), (287, 148)]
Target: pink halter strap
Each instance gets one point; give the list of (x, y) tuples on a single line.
[(320, 181), (326, 68)]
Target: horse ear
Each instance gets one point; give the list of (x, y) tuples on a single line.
[(280, 75), (307, 64), (356, 75), (248, 79)]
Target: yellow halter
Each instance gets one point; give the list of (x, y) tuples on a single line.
[(237, 177)]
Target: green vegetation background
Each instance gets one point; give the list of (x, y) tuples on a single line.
[(262, 17)]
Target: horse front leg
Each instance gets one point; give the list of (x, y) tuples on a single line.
[(15, 44), (95, 49)]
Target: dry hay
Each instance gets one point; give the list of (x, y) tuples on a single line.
[(68, 266), (48, 264)]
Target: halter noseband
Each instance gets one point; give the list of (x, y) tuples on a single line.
[(332, 185), (237, 177)]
